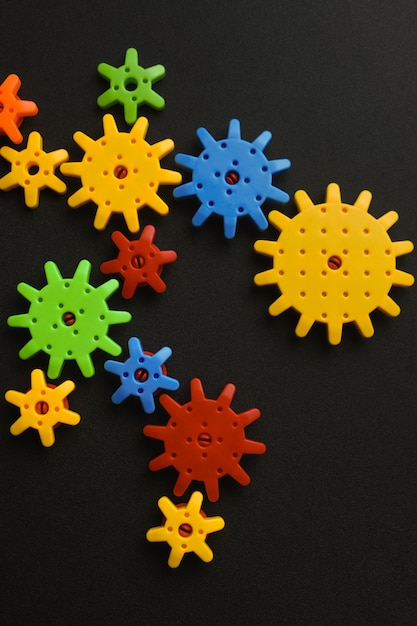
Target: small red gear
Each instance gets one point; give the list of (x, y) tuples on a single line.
[(139, 262), (204, 439)]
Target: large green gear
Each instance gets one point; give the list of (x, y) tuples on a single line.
[(68, 319)]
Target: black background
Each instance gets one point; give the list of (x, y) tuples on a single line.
[(325, 534)]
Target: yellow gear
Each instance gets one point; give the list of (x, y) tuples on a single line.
[(33, 169), (334, 263), (121, 173), (42, 407), (185, 529)]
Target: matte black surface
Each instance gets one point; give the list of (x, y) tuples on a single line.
[(326, 532)]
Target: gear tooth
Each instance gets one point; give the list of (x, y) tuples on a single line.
[(262, 140), (234, 130), (333, 194), (363, 200), (131, 57), (109, 125)]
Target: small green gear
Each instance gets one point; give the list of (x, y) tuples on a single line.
[(68, 319), (131, 86)]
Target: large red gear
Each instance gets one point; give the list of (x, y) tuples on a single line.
[(139, 262), (204, 439)]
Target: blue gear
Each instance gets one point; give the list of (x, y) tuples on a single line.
[(141, 375), (231, 178)]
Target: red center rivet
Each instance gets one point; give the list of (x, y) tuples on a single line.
[(137, 261), (68, 318), (141, 375), (41, 407), (204, 440), (334, 262), (120, 171), (185, 530), (232, 178)]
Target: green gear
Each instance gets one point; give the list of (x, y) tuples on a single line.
[(131, 86), (68, 319)]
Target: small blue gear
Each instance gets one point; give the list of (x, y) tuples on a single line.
[(141, 375), (231, 178)]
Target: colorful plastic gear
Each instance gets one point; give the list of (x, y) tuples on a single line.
[(204, 440), (141, 375), (131, 86), (232, 178), (33, 169), (334, 263), (43, 407), (121, 173), (68, 319), (12, 109), (185, 529), (139, 262)]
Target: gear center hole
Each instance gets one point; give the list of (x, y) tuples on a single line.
[(204, 440), (185, 530), (130, 84), (334, 262), (141, 375), (69, 318), (41, 408), (232, 177), (120, 171), (33, 169)]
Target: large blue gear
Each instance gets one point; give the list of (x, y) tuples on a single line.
[(141, 375), (231, 178)]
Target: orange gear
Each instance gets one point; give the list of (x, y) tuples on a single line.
[(13, 109)]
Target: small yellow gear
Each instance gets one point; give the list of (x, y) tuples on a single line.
[(185, 529), (334, 263), (121, 173), (43, 407), (33, 169)]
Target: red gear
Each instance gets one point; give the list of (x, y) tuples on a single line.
[(139, 262), (204, 440)]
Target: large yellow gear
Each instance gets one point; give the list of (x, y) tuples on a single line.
[(121, 173), (334, 263)]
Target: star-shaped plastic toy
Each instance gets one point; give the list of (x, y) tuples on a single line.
[(43, 407), (131, 86), (141, 375), (139, 262), (33, 169), (12, 109), (185, 529)]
